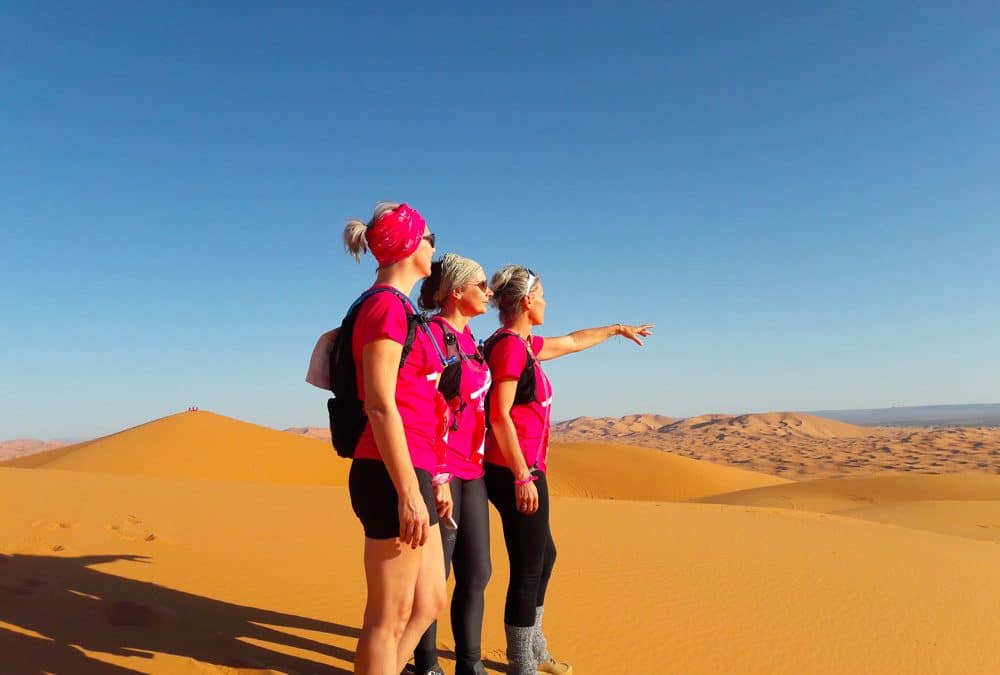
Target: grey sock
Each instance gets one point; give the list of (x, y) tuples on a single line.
[(539, 646), (519, 655)]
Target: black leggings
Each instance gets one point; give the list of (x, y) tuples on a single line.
[(530, 548), (468, 548)]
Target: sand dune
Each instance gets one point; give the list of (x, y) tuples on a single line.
[(194, 544), (768, 424), (322, 433), (594, 428), (831, 495), (796, 445), (200, 444), (115, 574), (614, 471), (969, 519)]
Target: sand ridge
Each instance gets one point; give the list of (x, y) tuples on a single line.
[(200, 444), (615, 471), (796, 445)]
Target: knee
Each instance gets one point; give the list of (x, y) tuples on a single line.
[(391, 621), (475, 579), (550, 561), (429, 603)]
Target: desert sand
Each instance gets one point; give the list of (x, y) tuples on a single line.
[(117, 560), (797, 445)]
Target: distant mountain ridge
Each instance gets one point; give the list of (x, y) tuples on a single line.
[(969, 415)]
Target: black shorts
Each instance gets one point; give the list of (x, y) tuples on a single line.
[(374, 500)]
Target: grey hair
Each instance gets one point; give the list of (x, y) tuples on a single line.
[(355, 230), (510, 284), (451, 272)]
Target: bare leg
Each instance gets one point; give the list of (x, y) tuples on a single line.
[(428, 598), (391, 572)]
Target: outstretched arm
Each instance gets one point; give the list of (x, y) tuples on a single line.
[(579, 340)]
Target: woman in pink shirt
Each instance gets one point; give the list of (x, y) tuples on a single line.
[(397, 455), (519, 406), (457, 288)]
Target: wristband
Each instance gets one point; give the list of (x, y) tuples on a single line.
[(530, 479), (441, 479)]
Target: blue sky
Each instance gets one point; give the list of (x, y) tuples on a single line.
[(802, 199)]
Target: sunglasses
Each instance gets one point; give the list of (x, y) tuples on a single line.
[(430, 239), (481, 285)]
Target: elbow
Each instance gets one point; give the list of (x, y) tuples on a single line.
[(379, 412), (499, 417)]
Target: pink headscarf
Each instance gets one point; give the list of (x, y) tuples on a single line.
[(395, 235)]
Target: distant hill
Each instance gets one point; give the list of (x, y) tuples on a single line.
[(19, 447), (979, 415)]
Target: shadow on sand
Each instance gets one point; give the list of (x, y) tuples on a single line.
[(59, 602)]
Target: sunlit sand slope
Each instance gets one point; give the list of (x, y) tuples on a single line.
[(124, 574), (971, 519), (200, 444), (616, 471), (830, 495)]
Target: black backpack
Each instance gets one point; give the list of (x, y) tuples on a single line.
[(525, 392), (347, 414), (451, 379)]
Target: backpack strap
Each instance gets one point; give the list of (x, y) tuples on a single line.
[(452, 351), (526, 381), (415, 319)]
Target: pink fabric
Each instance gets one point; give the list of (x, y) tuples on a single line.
[(465, 449), (420, 405), (531, 420), (395, 235)]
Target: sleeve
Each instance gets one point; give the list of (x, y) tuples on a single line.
[(507, 360), (381, 316), (537, 342)]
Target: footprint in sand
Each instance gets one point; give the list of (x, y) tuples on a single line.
[(58, 547)]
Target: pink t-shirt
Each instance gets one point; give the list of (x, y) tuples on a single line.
[(531, 420), (420, 405), (467, 414)]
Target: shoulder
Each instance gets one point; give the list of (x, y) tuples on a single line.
[(383, 303), (507, 356), (382, 315)]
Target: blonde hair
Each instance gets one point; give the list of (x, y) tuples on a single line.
[(355, 230), (510, 284), (451, 272)]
